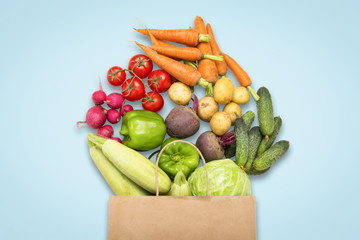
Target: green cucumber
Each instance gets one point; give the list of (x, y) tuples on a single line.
[(242, 142), (265, 112), (271, 155), (253, 171), (248, 117), (267, 142), (254, 142)]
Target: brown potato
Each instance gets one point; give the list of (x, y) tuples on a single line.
[(207, 107), (180, 93), (230, 109), (241, 95), (223, 90), (220, 123)]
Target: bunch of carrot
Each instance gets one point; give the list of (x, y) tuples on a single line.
[(202, 47)]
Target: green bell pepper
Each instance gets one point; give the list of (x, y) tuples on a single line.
[(178, 157), (143, 130)]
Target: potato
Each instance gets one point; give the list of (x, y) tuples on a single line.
[(241, 95), (223, 90), (180, 93), (207, 107), (230, 109), (220, 123)]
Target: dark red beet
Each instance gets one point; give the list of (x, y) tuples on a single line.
[(105, 131), (115, 100), (125, 109), (99, 96), (113, 116), (95, 117), (117, 139)]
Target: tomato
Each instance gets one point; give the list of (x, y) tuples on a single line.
[(152, 101), (133, 89), (159, 81), (141, 65), (116, 76)]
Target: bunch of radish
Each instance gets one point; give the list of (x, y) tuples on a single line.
[(96, 116)]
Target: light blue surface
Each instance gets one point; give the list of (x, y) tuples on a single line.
[(306, 53)]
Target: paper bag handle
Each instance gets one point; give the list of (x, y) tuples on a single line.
[(157, 164)]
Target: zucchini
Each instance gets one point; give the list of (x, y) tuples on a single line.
[(118, 182), (254, 142), (248, 117), (132, 164), (265, 112), (242, 142), (271, 155), (267, 142)]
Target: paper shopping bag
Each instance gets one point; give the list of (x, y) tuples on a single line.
[(167, 218)]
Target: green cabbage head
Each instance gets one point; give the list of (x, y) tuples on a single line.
[(225, 179)]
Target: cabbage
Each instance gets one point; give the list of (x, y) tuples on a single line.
[(180, 187), (225, 179)]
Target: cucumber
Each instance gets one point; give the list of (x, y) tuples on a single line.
[(265, 112), (271, 155), (118, 182), (267, 142), (254, 142), (132, 164), (253, 171), (248, 117), (242, 142)]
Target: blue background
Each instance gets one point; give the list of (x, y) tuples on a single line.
[(306, 53)]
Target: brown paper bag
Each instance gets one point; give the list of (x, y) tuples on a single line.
[(167, 218)]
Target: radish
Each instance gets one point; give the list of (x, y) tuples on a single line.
[(116, 139), (95, 117), (125, 109), (115, 100), (105, 131), (99, 96), (113, 116)]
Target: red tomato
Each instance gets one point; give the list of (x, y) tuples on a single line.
[(116, 76), (152, 101), (141, 65), (133, 89), (159, 81)]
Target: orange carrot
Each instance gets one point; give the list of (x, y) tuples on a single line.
[(240, 74), (189, 37), (221, 66), (207, 67), (185, 53), (178, 70)]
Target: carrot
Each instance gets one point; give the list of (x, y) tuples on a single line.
[(189, 37), (221, 66), (240, 75), (178, 70), (185, 53), (207, 68)]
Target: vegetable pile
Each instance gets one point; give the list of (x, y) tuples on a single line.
[(247, 150)]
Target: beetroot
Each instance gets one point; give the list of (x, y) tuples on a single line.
[(105, 131), (116, 139), (113, 116), (99, 96), (125, 109), (115, 100), (95, 117)]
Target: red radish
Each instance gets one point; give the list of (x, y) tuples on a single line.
[(95, 117), (125, 109), (99, 96), (115, 100), (106, 131), (113, 116), (116, 139)]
